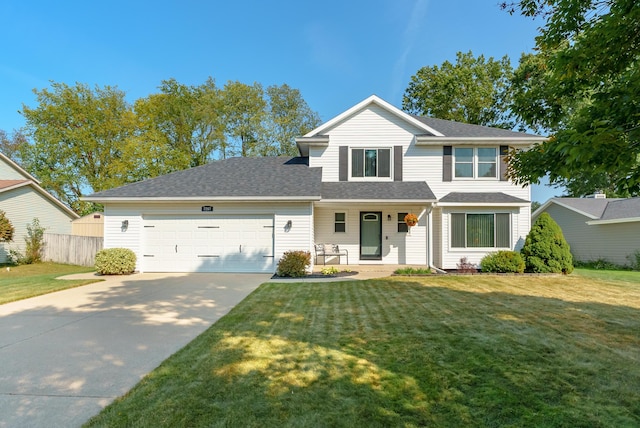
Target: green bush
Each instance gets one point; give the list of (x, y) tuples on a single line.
[(502, 262), (294, 263), (115, 261), (545, 249), (412, 271)]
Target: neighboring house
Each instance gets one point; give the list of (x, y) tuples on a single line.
[(597, 228), (22, 199), (88, 225), (356, 178)]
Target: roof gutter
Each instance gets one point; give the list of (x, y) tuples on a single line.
[(428, 140), (201, 199)]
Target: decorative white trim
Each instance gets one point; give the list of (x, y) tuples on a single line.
[(427, 140), (556, 201), (44, 193), (613, 221), (373, 99), (19, 169)]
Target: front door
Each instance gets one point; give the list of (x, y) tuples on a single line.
[(371, 236)]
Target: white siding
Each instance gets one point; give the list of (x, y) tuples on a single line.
[(613, 242), (397, 247), (372, 127), (297, 238), (451, 256), (21, 206)]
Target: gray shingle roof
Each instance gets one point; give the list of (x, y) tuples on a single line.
[(621, 209), (595, 207), (497, 197), (457, 129), (396, 190), (234, 177)]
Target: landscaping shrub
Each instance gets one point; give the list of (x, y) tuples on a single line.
[(294, 263), (635, 260), (6, 228), (34, 246), (502, 262), (115, 261), (465, 266), (599, 264), (545, 249)]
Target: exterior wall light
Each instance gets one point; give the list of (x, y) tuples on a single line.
[(125, 225)]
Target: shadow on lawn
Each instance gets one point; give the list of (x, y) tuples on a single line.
[(392, 353)]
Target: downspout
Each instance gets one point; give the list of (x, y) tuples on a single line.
[(430, 241)]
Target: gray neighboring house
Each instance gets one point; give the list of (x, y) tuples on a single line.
[(597, 228), (22, 199)]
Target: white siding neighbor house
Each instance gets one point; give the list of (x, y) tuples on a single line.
[(597, 228), (22, 199), (357, 177)]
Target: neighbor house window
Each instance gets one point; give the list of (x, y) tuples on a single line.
[(371, 163), (480, 230), (479, 162), (402, 225), (340, 223)]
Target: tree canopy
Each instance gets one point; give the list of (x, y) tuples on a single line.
[(473, 90), (84, 139), (582, 86)]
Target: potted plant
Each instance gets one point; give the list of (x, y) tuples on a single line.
[(411, 219)]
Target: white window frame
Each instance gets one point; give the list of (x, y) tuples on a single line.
[(340, 222), (475, 163), (468, 248), (376, 178)]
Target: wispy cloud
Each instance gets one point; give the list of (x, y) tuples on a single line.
[(417, 21), (23, 78)]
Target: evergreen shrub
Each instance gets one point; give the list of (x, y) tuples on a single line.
[(545, 249)]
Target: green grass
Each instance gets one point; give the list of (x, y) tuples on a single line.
[(412, 271), (22, 282), (616, 275), (463, 351)]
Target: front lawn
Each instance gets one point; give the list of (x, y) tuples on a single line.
[(22, 282), (425, 351)]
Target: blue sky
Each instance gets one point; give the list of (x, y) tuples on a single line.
[(336, 52)]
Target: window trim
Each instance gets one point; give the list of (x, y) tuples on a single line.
[(475, 162), (336, 221), (376, 177), (401, 224), (495, 231)]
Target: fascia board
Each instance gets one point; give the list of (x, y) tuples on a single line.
[(18, 168), (437, 141), (201, 199), (373, 99), (484, 204), (613, 221), (378, 201)]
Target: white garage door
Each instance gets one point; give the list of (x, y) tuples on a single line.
[(212, 244)]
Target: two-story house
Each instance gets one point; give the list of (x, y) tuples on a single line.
[(356, 178)]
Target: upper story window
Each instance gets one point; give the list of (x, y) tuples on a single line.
[(371, 163), (476, 162)]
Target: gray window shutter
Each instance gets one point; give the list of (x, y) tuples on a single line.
[(504, 150), (447, 158), (397, 163), (343, 167)]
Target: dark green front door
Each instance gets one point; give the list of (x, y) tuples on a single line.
[(371, 235)]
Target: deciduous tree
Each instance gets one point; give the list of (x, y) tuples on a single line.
[(583, 87), (473, 90)]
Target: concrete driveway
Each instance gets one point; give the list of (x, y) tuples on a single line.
[(66, 355)]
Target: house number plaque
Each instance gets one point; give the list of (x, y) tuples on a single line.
[(207, 208)]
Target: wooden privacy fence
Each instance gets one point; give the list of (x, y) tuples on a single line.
[(70, 249)]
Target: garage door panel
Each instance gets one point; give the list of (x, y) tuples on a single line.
[(216, 244)]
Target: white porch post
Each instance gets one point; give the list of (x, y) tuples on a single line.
[(429, 236)]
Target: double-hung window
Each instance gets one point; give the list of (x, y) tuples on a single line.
[(470, 230), (476, 162), (371, 163), (340, 222)]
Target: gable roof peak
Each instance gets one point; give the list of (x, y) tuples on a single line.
[(375, 100)]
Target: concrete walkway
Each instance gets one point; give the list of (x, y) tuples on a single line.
[(66, 355)]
